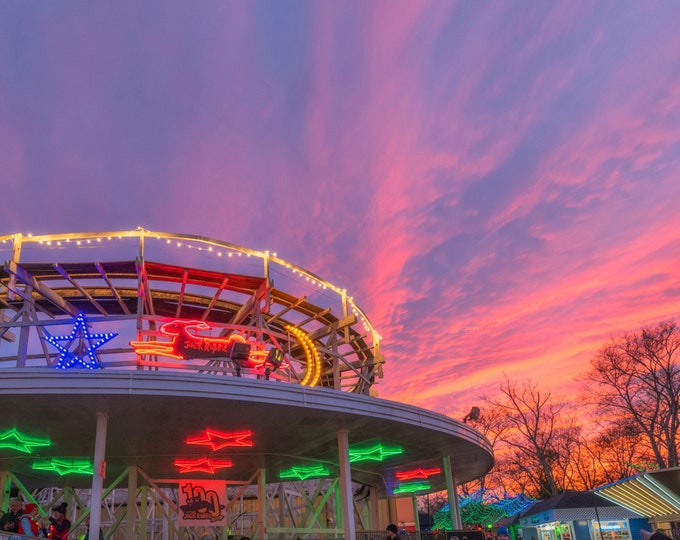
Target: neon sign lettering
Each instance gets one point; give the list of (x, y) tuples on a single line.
[(201, 465), (15, 440), (184, 344), (217, 439), (417, 473), (611, 526)]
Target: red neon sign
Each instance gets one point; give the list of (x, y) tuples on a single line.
[(184, 344), (417, 473), (201, 465), (218, 439)]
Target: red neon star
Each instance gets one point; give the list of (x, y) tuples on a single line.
[(201, 465), (417, 473), (217, 439)]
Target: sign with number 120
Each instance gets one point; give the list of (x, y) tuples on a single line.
[(202, 502)]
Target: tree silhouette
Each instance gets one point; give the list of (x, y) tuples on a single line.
[(532, 429), (635, 383)]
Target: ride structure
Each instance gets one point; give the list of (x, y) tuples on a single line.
[(217, 386)]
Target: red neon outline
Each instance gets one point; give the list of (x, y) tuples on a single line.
[(236, 438), (178, 331), (201, 465), (417, 473)]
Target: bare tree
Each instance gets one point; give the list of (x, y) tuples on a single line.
[(532, 422), (490, 423), (637, 378), (619, 451)]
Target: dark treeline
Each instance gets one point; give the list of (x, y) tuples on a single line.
[(625, 422)]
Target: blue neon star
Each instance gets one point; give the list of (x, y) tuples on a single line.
[(82, 355)]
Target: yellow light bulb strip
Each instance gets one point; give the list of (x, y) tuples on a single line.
[(313, 373), (198, 243)]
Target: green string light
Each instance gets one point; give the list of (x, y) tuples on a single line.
[(483, 509)]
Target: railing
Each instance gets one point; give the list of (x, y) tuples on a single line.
[(46, 283)]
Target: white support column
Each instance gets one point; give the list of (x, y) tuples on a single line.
[(262, 505), (131, 513), (24, 334), (337, 504), (165, 527), (282, 508), (375, 512), (99, 473), (452, 493), (5, 490), (347, 500), (144, 513), (416, 518)]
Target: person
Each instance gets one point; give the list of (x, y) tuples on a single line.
[(86, 536), (28, 523), (503, 533), (656, 535), (205, 534), (9, 522), (393, 532), (59, 525)]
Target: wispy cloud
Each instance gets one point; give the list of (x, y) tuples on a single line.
[(495, 185)]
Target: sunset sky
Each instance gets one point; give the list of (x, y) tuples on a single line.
[(497, 184)]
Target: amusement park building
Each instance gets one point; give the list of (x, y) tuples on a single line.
[(167, 384)]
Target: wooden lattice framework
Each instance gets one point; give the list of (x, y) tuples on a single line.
[(47, 280), (136, 506)]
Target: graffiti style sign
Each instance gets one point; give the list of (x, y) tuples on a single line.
[(202, 503), (186, 343)]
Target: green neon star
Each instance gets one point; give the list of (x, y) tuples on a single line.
[(65, 466), (15, 440), (376, 452), (412, 487), (303, 473)]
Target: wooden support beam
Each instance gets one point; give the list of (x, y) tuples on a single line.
[(333, 327), (215, 297), (314, 317), (250, 304), (102, 273), (5, 332), (287, 309), (181, 293), (63, 273), (42, 289)]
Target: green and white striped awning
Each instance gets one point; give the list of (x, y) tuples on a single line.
[(654, 494)]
